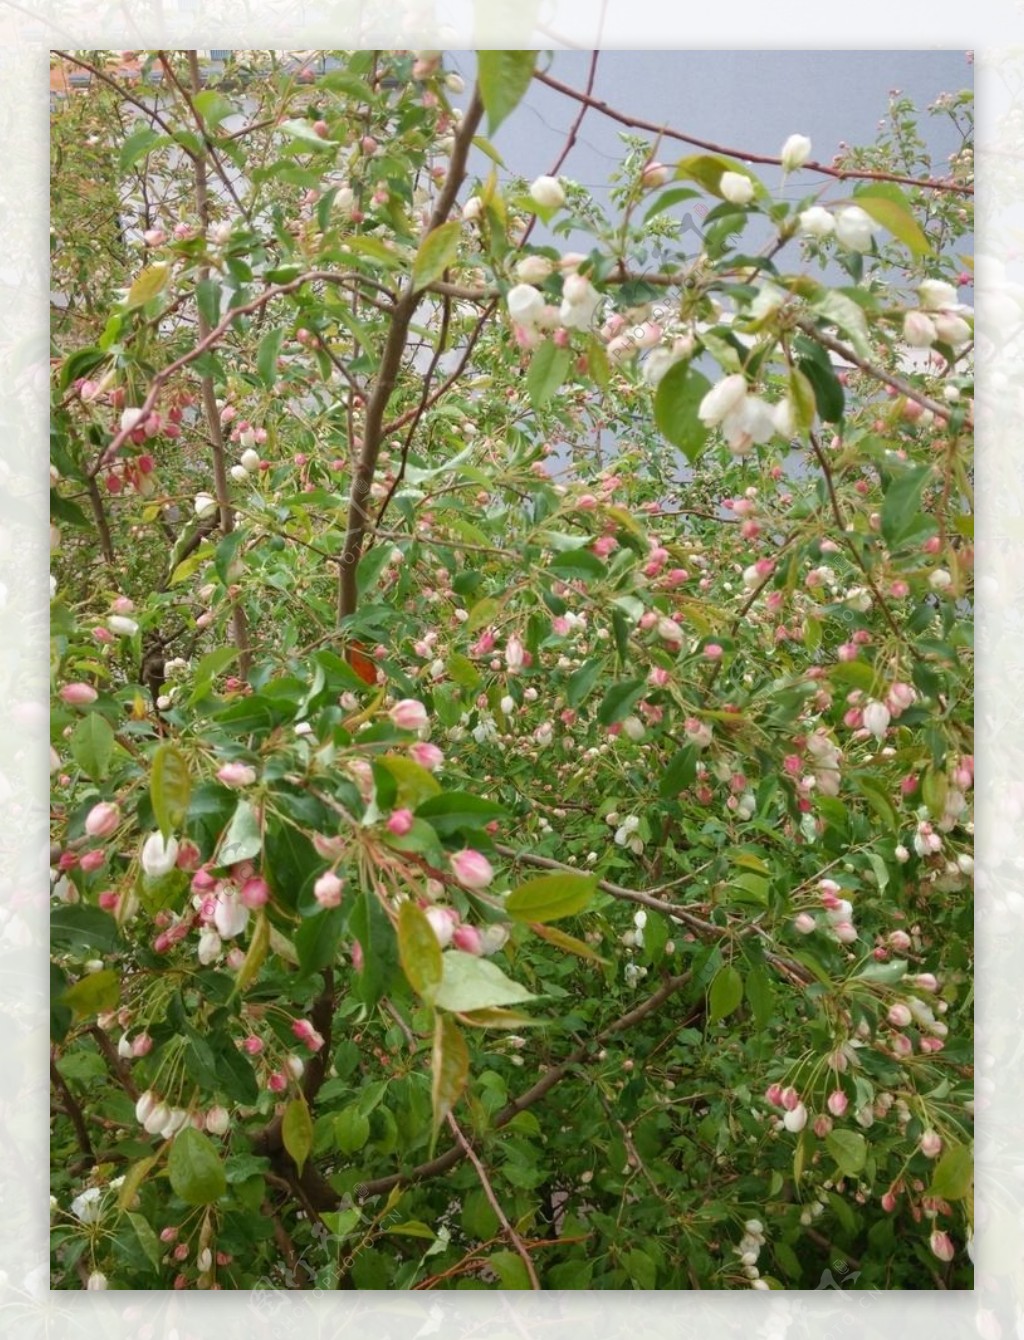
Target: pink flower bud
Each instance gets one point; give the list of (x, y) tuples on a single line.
[(822, 1126), (307, 1034), (773, 1095), (327, 889), (189, 855), (790, 1098), (837, 1102), (277, 1082), (92, 860), (400, 822), (142, 1045), (169, 1233), (931, 1144), (472, 869), (78, 694), (102, 820), (426, 755), (468, 939), (252, 1045), (255, 892), (236, 774), (108, 900), (899, 1015), (713, 652), (942, 1246), (926, 981), (409, 714)]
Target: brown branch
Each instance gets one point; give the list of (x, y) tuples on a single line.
[(218, 167), (387, 373), (434, 1167), (100, 517), (109, 1052), (72, 1110), (841, 174), (128, 97), (888, 378), (239, 623), (494, 1202)]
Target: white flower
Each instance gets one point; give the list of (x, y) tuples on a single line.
[(796, 1119), (855, 228), (659, 360), (473, 208), (877, 718), (204, 504), (158, 857), (547, 192), (239, 474), (722, 399), (130, 418), (534, 269), (951, 328), (936, 295), (525, 304), (749, 423), (580, 301), (230, 915), (795, 152), (86, 1206), (121, 624), (209, 945), (816, 222), (736, 188), (97, 1280), (251, 459), (784, 417), (919, 330)]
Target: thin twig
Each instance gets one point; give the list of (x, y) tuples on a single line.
[(72, 1110), (495, 1203)]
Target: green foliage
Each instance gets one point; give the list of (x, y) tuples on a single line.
[(665, 907)]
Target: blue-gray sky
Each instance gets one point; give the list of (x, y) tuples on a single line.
[(748, 100)]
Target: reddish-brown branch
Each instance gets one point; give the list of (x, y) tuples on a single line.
[(841, 174)]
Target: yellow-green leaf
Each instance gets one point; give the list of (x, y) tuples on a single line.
[(888, 206), (725, 994), (551, 897), (954, 1174), (95, 993), (254, 955), (133, 1179), (297, 1131), (437, 251), (504, 77), (169, 788), (567, 942), (419, 951), (496, 1017), (449, 1067), (147, 284)]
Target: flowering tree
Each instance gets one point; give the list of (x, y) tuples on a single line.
[(512, 707)]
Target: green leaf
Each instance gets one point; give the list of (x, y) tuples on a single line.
[(449, 1068), (551, 897), (303, 132), (725, 993), (148, 1240), (472, 983), (242, 840), (436, 253), (619, 700), (458, 811), (582, 681), (482, 613), (829, 395), (133, 1179), (148, 284), (371, 565), (267, 355), (849, 1149), (887, 205), (351, 1129), (195, 1169), (369, 923), (577, 563), (510, 1270), (548, 367), (886, 974), (902, 501), (844, 313), (878, 798), (170, 787), (209, 667), (95, 993), (640, 1268), (92, 744), (82, 927), (504, 77), (676, 402), (255, 955), (316, 940), (297, 1131), (801, 393), (212, 106), (419, 951), (680, 773), (954, 1174), (415, 783), (136, 146), (669, 198), (708, 170), (759, 996)]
